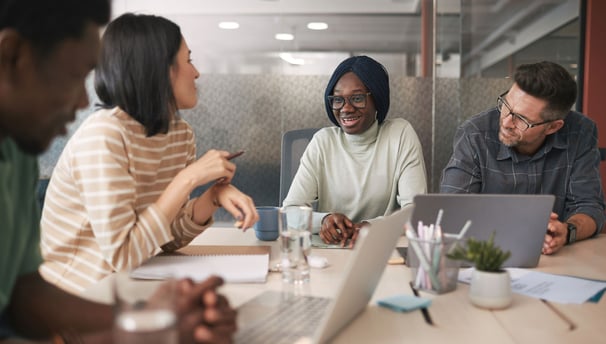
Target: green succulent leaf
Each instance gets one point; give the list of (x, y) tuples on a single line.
[(484, 255)]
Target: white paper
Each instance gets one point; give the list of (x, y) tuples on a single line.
[(232, 268), (550, 287)]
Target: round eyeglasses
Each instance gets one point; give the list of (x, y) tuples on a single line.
[(358, 101), (518, 120)]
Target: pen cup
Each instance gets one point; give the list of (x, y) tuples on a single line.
[(430, 269)]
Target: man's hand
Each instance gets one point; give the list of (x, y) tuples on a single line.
[(556, 235), (204, 315)]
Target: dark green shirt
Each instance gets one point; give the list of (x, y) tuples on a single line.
[(19, 217)]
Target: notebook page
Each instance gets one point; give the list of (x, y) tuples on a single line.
[(235, 264)]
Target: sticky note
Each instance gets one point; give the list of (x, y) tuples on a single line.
[(404, 303)]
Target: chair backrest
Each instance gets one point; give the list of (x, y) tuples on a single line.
[(294, 143)]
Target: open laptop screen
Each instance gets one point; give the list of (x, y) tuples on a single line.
[(520, 221)]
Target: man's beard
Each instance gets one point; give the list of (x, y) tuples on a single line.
[(510, 141)]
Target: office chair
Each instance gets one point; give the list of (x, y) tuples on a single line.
[(294, 143)]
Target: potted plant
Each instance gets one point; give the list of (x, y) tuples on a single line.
[(490, 285)]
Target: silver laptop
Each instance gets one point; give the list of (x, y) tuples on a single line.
[(520, 221), (275, 317)]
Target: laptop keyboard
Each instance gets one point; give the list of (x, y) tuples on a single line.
[(293, 318)]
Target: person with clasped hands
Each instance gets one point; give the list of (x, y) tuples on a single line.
[(532, 143), (47, 48), (365, 166)]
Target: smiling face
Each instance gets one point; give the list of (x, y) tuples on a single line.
[(530, 140), (183, 77), (354, 120), (39, 96)]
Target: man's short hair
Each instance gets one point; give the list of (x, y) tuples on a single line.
[(551, 82), (45, 23)]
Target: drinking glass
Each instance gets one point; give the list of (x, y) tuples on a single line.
[(144, 312), (295, 234)]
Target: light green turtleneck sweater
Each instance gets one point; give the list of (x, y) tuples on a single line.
[(363, 176)]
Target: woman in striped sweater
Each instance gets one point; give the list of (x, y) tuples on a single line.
[(120, 191)]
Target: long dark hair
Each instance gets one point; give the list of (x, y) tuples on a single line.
[(133, 73)]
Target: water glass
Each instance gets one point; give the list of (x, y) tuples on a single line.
[(144, 314), (295, 234), (430, 269)]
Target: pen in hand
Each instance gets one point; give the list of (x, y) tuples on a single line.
[(230, 157), (235, 155)]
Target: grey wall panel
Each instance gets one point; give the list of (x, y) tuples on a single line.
[(251, 112)]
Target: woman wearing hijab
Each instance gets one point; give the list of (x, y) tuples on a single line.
[(366, 166)]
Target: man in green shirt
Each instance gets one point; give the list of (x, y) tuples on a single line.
[(47, 48)]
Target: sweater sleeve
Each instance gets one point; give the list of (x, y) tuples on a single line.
[(305, 184), (126, 235), (412, 180), (183, 228)]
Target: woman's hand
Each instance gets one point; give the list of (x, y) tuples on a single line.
[(336, 228), (356, 231), (211, 166), (339, 229), (240, 205)]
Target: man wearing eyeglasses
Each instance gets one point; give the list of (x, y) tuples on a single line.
[(532, 143)]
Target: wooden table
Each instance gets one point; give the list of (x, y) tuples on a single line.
[(456, 320)]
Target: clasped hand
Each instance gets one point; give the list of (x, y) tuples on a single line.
[(339, 229), (205, 316)]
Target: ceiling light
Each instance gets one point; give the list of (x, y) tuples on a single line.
[(291, 59), (229, 25), (284, 37), (317, 26)]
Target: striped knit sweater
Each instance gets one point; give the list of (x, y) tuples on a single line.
[(98, 214)]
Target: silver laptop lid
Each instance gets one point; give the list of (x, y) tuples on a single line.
[(520, 221), (363, 272)]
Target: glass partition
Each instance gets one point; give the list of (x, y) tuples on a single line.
[(254, 87)]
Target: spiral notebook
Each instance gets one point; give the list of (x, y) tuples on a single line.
[(235, 264)]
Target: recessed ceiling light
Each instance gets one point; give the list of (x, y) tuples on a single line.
[(284, 37), (317, 26), (229, 25)]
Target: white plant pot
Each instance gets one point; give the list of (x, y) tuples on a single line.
[(490, 290)]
